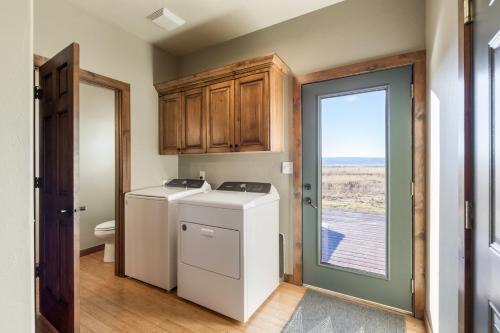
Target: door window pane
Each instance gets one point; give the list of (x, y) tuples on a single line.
[(353, 185)]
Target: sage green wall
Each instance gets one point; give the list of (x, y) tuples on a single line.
[(17, 300), (109, 50), (348, 32)]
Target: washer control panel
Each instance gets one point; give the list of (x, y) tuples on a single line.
[(245, 187), (186, 183)]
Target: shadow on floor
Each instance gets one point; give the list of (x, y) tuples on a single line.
[(330, 240)]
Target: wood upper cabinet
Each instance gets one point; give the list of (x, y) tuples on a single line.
[(251, 113), (220, 117), (170, 124), (193, 136), (235, 108)]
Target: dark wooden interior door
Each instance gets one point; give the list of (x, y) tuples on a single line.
[(486, 225), (59, 229)]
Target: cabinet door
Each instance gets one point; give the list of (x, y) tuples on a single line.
[(220, 117), (251, 112), (170, 124), (193, 129)]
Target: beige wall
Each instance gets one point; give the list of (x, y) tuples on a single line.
[(344, 33), (349, 32), (97, 160), (445, 178), (109, 50), (16, 176)]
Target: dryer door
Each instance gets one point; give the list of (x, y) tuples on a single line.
[(210, 248)]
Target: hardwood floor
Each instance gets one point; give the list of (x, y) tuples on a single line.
[(112, 304)]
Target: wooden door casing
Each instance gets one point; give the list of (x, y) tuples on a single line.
[(170, 123), (252, 113), (122, 149), (59, 227), (192, 124), (220, 117)]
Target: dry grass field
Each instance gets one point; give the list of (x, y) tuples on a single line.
[(354, 188)]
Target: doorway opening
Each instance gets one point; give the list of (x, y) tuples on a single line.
[(364, 180), (104, 159)]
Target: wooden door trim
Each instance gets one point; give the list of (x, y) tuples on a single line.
[(122, 151), (465, 268), (418, 61)]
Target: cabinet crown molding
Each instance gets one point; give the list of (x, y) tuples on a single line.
[(232, 71)]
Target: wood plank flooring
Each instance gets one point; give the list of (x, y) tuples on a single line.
[(112, 304)]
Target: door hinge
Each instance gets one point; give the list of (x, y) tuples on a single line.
[(38, 92), (468, 12), (468, 215), (412, 286), (38, 270), (38, 182), (412, 87), (412, 190)]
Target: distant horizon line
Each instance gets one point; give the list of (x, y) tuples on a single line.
[(352, 156)]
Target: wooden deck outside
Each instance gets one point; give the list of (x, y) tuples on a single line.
[(354, 240)]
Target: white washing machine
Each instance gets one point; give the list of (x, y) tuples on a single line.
[(229, 248), (151, 231)]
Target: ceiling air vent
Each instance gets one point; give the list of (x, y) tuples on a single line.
[(166, 19)]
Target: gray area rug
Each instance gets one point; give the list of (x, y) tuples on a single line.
[(320, 313)]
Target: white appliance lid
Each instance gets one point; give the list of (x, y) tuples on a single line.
[(231, 199), (167, 192)]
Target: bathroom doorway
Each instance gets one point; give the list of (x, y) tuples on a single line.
[(97, 170), (100, 110)]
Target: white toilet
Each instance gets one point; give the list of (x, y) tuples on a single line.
[(106, 232)]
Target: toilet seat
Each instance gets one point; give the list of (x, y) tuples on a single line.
[(106, 226)]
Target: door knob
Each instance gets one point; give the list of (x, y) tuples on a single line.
[(64, 211), (308, 201)]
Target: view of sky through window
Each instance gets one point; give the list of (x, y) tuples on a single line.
[(353, 182)]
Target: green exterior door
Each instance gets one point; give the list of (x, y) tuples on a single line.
[(357, 176)]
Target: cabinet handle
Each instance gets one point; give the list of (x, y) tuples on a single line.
[(236, 146), (231, 146)]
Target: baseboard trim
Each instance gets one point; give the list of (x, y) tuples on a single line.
[(428, 325), (91, 250), (360, 300)]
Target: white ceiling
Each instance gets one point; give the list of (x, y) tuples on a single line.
[(208, 22)]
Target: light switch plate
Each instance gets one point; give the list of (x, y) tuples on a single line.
[(287, 168)]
